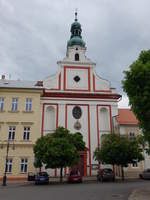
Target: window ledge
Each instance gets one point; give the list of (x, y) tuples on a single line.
[(23, 172), (11, 111), (24, 111)]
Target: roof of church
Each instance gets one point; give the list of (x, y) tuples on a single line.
[(127, 117)]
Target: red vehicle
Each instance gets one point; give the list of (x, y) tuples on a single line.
[(75, 177)]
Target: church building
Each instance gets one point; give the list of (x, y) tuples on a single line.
[(79, 100)]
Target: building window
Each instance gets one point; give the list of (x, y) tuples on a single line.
[(1, 103), (131, 136), (76, 57), (77, 112), (11, 134), (76, 79), (28, 104), (24, 165), (9, 165), (14, 104), (135, 163), (26, 133)]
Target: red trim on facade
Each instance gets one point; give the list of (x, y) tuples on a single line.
[(89, 138), (98, 143), (56, 115), (93, 82), (81, 95), (77, 67), (65, 171), (89, 80), (94, 86), (85, 163), (66, 116), (64, 86), (42, 125), (52, 99), (59, 81), (55, 172), (110, 114)]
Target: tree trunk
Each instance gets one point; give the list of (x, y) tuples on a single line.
[(61, 174), (122, 173)]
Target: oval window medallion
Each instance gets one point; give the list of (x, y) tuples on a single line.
[(76, 79), (77, 112)]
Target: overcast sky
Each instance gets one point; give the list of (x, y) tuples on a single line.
[(34, 34)]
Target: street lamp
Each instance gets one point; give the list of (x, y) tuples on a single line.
[(6, 160)]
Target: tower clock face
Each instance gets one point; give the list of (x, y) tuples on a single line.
[(77, 112)]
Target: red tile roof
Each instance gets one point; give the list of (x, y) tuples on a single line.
[(126, 116)]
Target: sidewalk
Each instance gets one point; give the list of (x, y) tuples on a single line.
[(142, 194)]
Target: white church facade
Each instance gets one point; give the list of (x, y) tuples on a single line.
[(78, 99)]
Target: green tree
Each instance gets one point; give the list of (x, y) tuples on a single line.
[(59, 150), (117, 150), (136, 84)]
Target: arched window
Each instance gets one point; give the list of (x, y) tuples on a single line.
[(76, 57), (50, 119), (104, 120)]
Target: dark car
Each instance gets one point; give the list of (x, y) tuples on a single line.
[(75, 177), (145, 174), (106, 174), (42, 178)]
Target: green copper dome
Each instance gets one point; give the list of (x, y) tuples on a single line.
[(76, 38)]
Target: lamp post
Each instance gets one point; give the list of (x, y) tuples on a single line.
[(6, 160), (5, 177)]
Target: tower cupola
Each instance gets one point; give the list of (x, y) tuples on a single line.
[(76, 38)]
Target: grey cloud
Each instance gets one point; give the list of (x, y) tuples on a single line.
[(34, 34)]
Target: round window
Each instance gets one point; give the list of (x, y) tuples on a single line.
[(76, 78), (77, 112)]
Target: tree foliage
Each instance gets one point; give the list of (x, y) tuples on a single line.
[(59, 149), (117, 150), (136, 84)]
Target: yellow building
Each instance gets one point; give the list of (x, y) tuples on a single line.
[(19, 124)]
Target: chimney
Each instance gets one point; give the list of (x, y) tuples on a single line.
[(3, 77), (39, 83)]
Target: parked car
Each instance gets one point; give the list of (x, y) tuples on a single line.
[(31, 176), (105, 174), (75, 177), (42, 178), (145, 174)]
